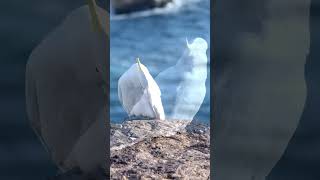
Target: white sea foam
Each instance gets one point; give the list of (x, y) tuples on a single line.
[(170, 8)]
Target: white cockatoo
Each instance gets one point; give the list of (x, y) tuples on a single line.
[(139, 94), (183, 85), (65, 95)]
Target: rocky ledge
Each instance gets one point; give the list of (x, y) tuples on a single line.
[(155, 149), (129, 6)]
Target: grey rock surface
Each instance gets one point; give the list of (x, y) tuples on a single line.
[(155, 149)]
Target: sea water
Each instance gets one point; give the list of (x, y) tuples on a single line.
[(158, 38)]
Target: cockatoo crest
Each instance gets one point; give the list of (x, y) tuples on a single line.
[(197, 44)]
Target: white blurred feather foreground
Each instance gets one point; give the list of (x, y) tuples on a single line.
[(66, 103), (182, 86)]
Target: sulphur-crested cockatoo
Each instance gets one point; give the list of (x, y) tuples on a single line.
[(139, 94), (183, 85), (65, 80)]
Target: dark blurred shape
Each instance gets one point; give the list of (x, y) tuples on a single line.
[(23, 25), (302, 157), (129, 6), (77, 174), (260, 49)]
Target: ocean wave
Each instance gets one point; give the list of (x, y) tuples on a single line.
[(170, 8)]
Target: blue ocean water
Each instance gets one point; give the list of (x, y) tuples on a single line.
[(158, 37)]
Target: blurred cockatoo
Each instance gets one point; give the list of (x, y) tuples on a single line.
[(183, 85), (65, 94)]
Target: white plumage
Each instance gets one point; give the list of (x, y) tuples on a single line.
[(139, 94), (66, 102), (183, 85)]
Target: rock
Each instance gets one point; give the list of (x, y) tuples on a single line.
[(153, 149), (129, 6), (198, 127)]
